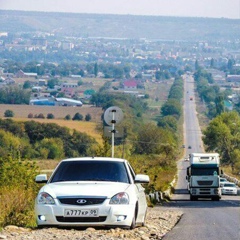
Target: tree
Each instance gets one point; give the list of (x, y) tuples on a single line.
[(50, 116), (26, 85), (52, 82), (50, 148), (95, 69), (67, 117), (172, 107), (154, 140), (8, 113), (168, 122), (222, 136), (212, 63), (197, 65), (30, 115), (88, 117), (77, 117), (40, 115)]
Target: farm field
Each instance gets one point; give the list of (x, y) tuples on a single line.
[(59, 112), (21, 114)]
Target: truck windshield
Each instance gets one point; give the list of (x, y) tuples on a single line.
[(204, 171)]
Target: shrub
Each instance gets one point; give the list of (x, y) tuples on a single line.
[(40, 115), (50, 116), (8, 113), (17, 191), (30, 115), (88, 117), (67, 117), (78, 117)]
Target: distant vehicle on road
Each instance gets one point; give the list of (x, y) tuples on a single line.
[(229, 188), (189, 147), (223, 180), (203, 176), (191, 98)]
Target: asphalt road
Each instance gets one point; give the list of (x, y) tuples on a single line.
[(203, 219)]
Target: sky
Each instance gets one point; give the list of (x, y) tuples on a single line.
[(179, 8)]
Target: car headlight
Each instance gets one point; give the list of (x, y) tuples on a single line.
[(45, 198), (120, 198)]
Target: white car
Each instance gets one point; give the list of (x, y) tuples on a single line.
[(92, 191), (223, 180), (229, 188)]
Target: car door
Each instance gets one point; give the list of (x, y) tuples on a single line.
[(140, 191)]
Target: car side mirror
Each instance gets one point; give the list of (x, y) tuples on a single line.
[(141, 178), (41, 178)]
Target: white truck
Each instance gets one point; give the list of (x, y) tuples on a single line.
[(203, 176)]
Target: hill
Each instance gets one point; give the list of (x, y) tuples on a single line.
[(120, 26)]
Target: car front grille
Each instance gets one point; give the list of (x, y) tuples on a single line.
[(205, 183), (81, 219), (81, 201)]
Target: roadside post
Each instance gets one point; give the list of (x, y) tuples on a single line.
[(112, 117)]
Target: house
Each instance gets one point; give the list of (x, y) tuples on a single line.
[(69, 88), (9, 81), (21, 74), (42, 82), (233, 78), (130, 85)]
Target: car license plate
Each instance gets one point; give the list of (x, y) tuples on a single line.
[(81, 213)]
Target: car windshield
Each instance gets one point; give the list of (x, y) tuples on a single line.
[(223, 180), (91, 171), (229, 185)]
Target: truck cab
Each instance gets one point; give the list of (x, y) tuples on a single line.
[(203, 176)]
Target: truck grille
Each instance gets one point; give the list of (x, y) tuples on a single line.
[(204, 191), (205, 183)]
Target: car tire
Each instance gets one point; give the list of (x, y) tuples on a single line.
[(193, 198), (133, 225), (144, 219)]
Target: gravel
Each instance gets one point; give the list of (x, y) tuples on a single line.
[(159, 221)]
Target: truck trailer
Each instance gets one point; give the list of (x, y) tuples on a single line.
[(203, 176)]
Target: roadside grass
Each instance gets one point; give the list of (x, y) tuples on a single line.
[(17, 206), (228, 170)]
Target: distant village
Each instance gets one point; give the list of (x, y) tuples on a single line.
[(148, 60)]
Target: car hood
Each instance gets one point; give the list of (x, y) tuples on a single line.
[(229, 188), (108, 189)]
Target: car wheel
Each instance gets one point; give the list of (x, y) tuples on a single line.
[(133, 225), (143, 222)]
